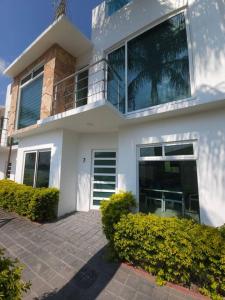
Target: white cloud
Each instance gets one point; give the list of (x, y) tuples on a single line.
[(2, 66)]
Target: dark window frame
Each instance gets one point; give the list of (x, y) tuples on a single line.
[(39, 69), (37, 154)]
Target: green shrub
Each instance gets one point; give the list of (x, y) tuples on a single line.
[(175, 250), (38, 204), (118, 205), (11, 285), (222, 230)]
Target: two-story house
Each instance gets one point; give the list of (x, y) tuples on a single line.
[(140, 107)]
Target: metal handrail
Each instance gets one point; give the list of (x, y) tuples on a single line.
[(87, 68), (70, 91)]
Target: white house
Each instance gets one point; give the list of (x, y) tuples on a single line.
[(140, 107)]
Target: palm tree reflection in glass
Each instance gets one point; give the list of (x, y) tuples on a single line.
[(158, 65)]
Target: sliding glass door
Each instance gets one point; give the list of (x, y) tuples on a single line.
[(37, 168)]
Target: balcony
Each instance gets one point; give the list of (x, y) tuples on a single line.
[(91, 84)]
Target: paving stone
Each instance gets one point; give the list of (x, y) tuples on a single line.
[(145, 287), (128, 293), (115, 287), (106, 296), (65, 260), (133, 281), (121, 276)]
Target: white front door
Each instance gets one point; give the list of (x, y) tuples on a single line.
[(103, 176)]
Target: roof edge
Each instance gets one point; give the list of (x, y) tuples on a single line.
[(47, 30)]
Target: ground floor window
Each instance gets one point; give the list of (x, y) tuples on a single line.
[(103, 176), (37, 168), (168, 184)]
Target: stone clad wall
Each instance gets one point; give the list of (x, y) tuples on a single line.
[(64, 66), (57, 64)]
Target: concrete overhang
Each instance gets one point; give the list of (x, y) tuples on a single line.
[(61, 32), (99, 116), (102, 117)]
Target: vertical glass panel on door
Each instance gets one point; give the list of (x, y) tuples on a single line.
[(43, 169), (30, 103), (116, 84), (158, 65), (29, 168), (104, 176)]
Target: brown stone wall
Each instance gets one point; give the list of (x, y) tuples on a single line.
[(64, 66), (57, 65)]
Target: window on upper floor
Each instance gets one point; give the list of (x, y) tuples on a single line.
[(30, 98), (115, 5), (157, 66)]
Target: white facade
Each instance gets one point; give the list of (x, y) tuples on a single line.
[(199, 119)]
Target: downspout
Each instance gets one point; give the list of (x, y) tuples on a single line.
[(9, 157)]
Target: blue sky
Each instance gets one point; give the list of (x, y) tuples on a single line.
[(22, 21)]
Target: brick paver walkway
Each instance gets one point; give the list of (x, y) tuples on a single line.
[(65, 260)]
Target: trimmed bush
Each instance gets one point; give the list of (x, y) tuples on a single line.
[(11, 285), (113, 209), (176, 250), (38, 204)]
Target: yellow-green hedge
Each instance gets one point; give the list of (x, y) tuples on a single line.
[(175, 250), (119, 204), (38, 204), (12, 287)]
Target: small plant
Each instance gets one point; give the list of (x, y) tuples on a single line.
[(12, 287), (38, 204), (113, 209)]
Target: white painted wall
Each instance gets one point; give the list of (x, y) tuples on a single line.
[(13, 160), (208, 129), (7, 109), (206, 34), (3, 162), (68, 183), (87, 143), (71, 159)]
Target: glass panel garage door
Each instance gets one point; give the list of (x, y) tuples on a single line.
[(104, 176)]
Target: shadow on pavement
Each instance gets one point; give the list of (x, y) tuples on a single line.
[(88, 282)]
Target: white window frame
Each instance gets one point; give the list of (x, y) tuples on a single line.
[(36, 163), (96, 207), (125, 42), (21, 86), (139, 159), (164, 157)]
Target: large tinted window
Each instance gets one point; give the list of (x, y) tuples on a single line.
[(30, 102), (43, 169), (116, 78), (158, 66), (37, 168), (169, 188), (114, 5), (29, 168)]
